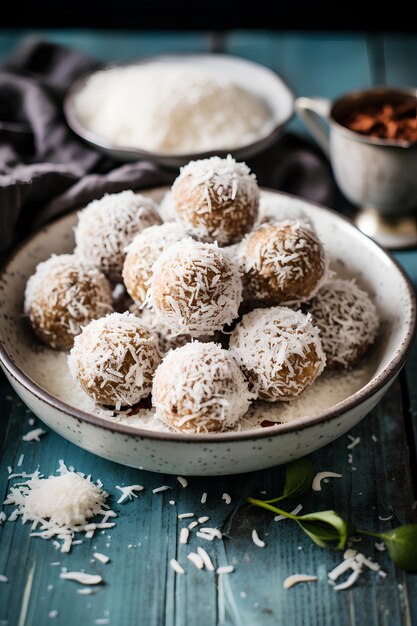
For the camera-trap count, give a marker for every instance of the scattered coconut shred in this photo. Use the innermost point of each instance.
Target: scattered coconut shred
(60, 506)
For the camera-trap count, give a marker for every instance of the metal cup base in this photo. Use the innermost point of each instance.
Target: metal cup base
(394, 233)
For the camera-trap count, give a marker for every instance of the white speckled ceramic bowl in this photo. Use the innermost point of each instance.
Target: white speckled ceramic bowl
(352, 253)
(249, 75)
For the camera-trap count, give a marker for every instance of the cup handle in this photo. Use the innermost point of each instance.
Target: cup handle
(314, 112)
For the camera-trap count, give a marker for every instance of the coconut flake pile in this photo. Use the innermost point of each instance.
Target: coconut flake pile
(171, 107)
(107, 226)
(63, 284)
(102, 352)
(216, 199)
(142, 253)
(195, 288)
(264, 343)
(200, 388)
(347, 319)
(60, 506)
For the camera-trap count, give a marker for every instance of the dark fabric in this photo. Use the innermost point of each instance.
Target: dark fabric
(46, 170)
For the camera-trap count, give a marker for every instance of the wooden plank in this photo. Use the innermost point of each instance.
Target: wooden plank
(323, 64)
(408, 260)
(400, 55)
(139, 581)
(401, 59)
(313, 64)
(109, 46)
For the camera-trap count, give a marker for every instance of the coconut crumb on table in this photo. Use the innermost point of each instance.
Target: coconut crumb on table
(316, 484)
(176, 566)
(295, 511)
(295, 579)
(82, 577)
(196, 560)
(185, 515)
(354, 441)
(206, 559)
(34, 435)
(256, 540)
(128, 492)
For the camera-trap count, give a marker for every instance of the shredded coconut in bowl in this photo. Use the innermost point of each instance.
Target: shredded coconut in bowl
(171, 108)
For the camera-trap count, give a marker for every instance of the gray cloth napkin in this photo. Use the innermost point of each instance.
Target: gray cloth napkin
(46, 170)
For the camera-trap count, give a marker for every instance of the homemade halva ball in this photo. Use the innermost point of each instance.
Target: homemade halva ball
(195, 288)
(63, 296)
(142, 253)
(279, 350)
(216, 199)
(347, 319)
(275, 208)
(114, 360)
(283, 263)
(200, 388)
(167, 338)
(107, 226)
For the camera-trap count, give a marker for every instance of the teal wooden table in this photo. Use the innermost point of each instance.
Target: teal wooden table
(140, 588)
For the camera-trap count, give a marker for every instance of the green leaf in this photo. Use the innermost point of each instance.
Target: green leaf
(298, 479)
(326, 528)
(401, 544)
(263, 504)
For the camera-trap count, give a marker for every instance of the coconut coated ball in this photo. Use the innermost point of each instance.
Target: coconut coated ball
(114, 360)
(275, 208)
(347, 319)
(63, 296)
(279, 350)
(283, 263)
(216, 199)
(167, 339)
(142, 253)
(107, 226)
(195, 288)
(200, 388)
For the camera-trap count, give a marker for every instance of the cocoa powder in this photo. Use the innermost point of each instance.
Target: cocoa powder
(389, 120)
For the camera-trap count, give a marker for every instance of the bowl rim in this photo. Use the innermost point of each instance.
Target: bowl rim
(101, 142)
(364, 393)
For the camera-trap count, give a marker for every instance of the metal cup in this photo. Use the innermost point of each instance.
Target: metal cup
(379, 176)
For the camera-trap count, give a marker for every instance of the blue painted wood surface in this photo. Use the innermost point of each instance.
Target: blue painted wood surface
(139, 586)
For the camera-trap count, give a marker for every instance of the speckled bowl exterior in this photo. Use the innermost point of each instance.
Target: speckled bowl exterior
(352, 253)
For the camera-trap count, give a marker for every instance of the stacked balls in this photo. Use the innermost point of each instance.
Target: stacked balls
(221, 304)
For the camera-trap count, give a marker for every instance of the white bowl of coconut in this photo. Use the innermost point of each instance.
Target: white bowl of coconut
(178, 107)
(209, 328)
